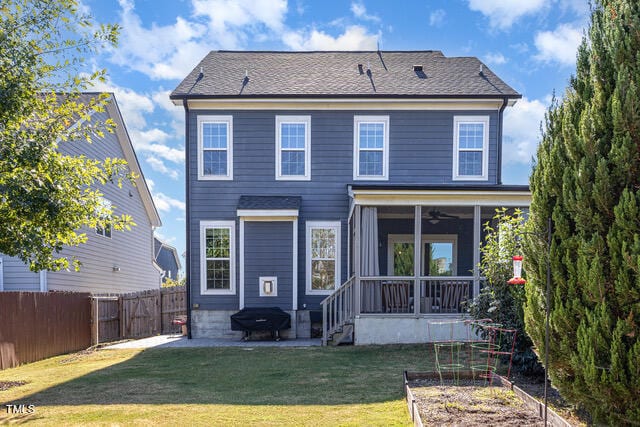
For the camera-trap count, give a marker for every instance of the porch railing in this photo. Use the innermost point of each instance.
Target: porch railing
(394, 295)
(445, 294)
(338, 309)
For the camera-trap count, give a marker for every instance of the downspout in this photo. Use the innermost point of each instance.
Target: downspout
(187, 267)
(505, 101)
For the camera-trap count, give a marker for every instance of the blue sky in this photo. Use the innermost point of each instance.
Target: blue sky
(530, 44)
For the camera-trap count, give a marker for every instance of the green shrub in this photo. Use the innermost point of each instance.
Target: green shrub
(499, 301)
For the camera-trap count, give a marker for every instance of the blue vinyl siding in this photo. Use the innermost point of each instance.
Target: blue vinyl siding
(269, 252)
(420, 152)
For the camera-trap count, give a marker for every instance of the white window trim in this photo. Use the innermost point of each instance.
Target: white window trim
(306, 120)
(1, 275)
(231, 225)
(357, 121)
(102, 232)
(457, 121)
(426, 238)
(310, 225)
(215, 119)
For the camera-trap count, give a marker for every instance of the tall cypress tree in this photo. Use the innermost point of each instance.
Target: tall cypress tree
(587, 180)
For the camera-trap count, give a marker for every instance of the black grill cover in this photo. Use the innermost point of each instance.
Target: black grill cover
(260, 319)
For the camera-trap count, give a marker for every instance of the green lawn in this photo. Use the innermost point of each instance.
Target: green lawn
(218, 386)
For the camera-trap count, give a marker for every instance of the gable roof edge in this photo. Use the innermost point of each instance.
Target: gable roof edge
(124, 139)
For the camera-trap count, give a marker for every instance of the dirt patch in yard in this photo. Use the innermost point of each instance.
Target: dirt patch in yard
(6, 385)
(466, 403)
(535, 387)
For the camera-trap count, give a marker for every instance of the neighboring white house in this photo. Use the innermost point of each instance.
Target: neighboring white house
(112, 261)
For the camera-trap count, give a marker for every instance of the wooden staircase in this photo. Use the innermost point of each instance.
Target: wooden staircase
(338, 314)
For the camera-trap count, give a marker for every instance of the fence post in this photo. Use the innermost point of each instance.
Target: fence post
(95, 310)
(121, 316)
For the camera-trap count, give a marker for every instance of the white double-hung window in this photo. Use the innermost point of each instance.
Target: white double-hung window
(371, 148)
(215, 147)
(217, 257)
(323, 256)
(293, 148)
(471, 148)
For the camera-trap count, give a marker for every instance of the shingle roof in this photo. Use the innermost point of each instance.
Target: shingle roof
(337, 74)
(269, 202)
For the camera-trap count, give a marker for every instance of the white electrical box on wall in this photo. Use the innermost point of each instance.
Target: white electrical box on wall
(268, 286)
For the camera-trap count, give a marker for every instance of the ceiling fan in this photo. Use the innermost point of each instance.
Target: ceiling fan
(435, 216)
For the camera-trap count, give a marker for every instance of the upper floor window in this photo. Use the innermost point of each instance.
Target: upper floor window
(217, 257)
(371, 147)
(293, 148)
(471, 148)
(215, 147)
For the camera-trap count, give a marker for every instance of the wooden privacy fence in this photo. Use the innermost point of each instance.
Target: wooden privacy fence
(137, 315)
(35, 325)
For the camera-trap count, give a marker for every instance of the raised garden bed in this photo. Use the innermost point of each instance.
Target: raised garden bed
(471, 401)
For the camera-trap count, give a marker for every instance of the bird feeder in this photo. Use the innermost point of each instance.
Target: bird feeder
(517, 272)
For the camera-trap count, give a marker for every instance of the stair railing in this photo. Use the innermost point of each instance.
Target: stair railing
(338, 309)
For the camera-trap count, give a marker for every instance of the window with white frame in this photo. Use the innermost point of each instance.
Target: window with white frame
(323, 256)
(371, 148)
(471, 148)
(217, 257)
(293, 148)
(104, 213)
(215, 147)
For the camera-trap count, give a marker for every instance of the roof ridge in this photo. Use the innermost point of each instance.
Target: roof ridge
(325, 51)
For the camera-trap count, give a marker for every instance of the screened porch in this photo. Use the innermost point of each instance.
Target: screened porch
(412, 258)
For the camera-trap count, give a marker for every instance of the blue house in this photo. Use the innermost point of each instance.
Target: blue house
(352, 184)
(166, 257)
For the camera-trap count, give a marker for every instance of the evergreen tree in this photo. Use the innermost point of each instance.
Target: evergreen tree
(588, 181)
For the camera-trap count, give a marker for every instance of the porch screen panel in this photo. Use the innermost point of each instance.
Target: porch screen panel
(218, 258)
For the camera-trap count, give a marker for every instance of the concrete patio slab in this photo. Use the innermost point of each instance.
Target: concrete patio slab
(179, 341)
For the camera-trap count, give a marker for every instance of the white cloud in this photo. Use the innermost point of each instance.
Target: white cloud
(230, 22)
(161, 52)
(355, 37)
(521, 133)
(161, 99)
(166, 203)
(503, 13)
(579, 7)
(133, 105)
(150, 141)
(360, 11)
(559, 45)
(159, 166)
(436, 18)
(495, 58)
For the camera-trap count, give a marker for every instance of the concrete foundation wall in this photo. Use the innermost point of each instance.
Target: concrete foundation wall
(406, 330)
(217, 324)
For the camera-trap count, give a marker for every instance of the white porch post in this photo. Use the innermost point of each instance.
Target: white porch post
(356, 259)
(477, 224)
(417, 257)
